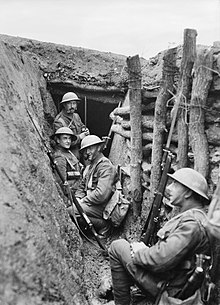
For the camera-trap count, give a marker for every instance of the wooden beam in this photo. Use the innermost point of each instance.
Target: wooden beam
(146, 123)
(183, 92)
(134, 72)
(202, 79)
(169, 69)
(146, 136)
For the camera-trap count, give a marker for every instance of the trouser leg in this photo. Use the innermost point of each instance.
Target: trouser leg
(119, 253)
(93, 212)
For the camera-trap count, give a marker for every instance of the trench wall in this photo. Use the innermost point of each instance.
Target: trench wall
(40, 249)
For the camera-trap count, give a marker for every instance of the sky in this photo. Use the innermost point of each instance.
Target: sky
(128, 27)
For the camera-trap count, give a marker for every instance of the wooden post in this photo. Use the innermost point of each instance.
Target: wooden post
(169, 69)
(202, 79)
(134, 72)
(184, 87)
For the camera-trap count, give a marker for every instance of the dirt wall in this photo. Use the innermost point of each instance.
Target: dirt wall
(40, 249)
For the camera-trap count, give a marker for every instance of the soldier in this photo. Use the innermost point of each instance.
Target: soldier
(97, 185)
(67, 163)
(172, 258)
(69, 118)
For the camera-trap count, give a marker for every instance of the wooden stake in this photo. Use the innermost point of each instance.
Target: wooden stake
(201, 84)
(164, 95)
(134, 72)
(184, 88)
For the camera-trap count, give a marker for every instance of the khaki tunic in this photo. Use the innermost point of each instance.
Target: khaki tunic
(69, 167)
(98, 184)
(172, 257)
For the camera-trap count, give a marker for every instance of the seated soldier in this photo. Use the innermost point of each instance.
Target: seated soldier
(69, 118)
(66, 161)
(98, 184)
(172, 258)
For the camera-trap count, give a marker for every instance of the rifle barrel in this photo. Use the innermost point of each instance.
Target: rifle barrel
(149, 230)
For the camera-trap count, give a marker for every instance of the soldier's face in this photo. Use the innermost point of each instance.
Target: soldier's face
(64, 141)
(176, 192)
(92, 152)
(70, 107)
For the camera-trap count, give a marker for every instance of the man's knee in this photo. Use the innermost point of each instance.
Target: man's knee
(118, 247)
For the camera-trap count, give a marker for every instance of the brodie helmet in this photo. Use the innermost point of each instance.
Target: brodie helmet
(90, 140)
(69, 96)
(191, 179)
(65, 130)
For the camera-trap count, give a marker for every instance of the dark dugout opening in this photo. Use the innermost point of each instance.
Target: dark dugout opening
(94, 108)
(97, 117)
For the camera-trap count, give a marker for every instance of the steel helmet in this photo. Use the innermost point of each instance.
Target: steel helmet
(191, 179)
(89, 141)
(65, 130)
(69, 96)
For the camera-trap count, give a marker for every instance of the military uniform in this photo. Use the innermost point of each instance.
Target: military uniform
(96, 189)
(171, 259)
(75, 124)
(69, 167)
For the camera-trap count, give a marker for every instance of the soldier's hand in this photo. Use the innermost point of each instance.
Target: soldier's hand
(82, 135)
(86, 131)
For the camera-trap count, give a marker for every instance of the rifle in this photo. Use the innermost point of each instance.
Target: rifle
(150, 228)
(71, 196)
(108, 137)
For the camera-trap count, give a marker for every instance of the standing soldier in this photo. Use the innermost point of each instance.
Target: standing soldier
(98, 184)
(69, 118)
(67, 163)
(172, 259)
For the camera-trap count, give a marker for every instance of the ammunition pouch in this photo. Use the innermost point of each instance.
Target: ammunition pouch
(73, 175)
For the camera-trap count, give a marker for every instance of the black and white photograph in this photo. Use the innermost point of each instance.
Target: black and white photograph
(110, 152)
